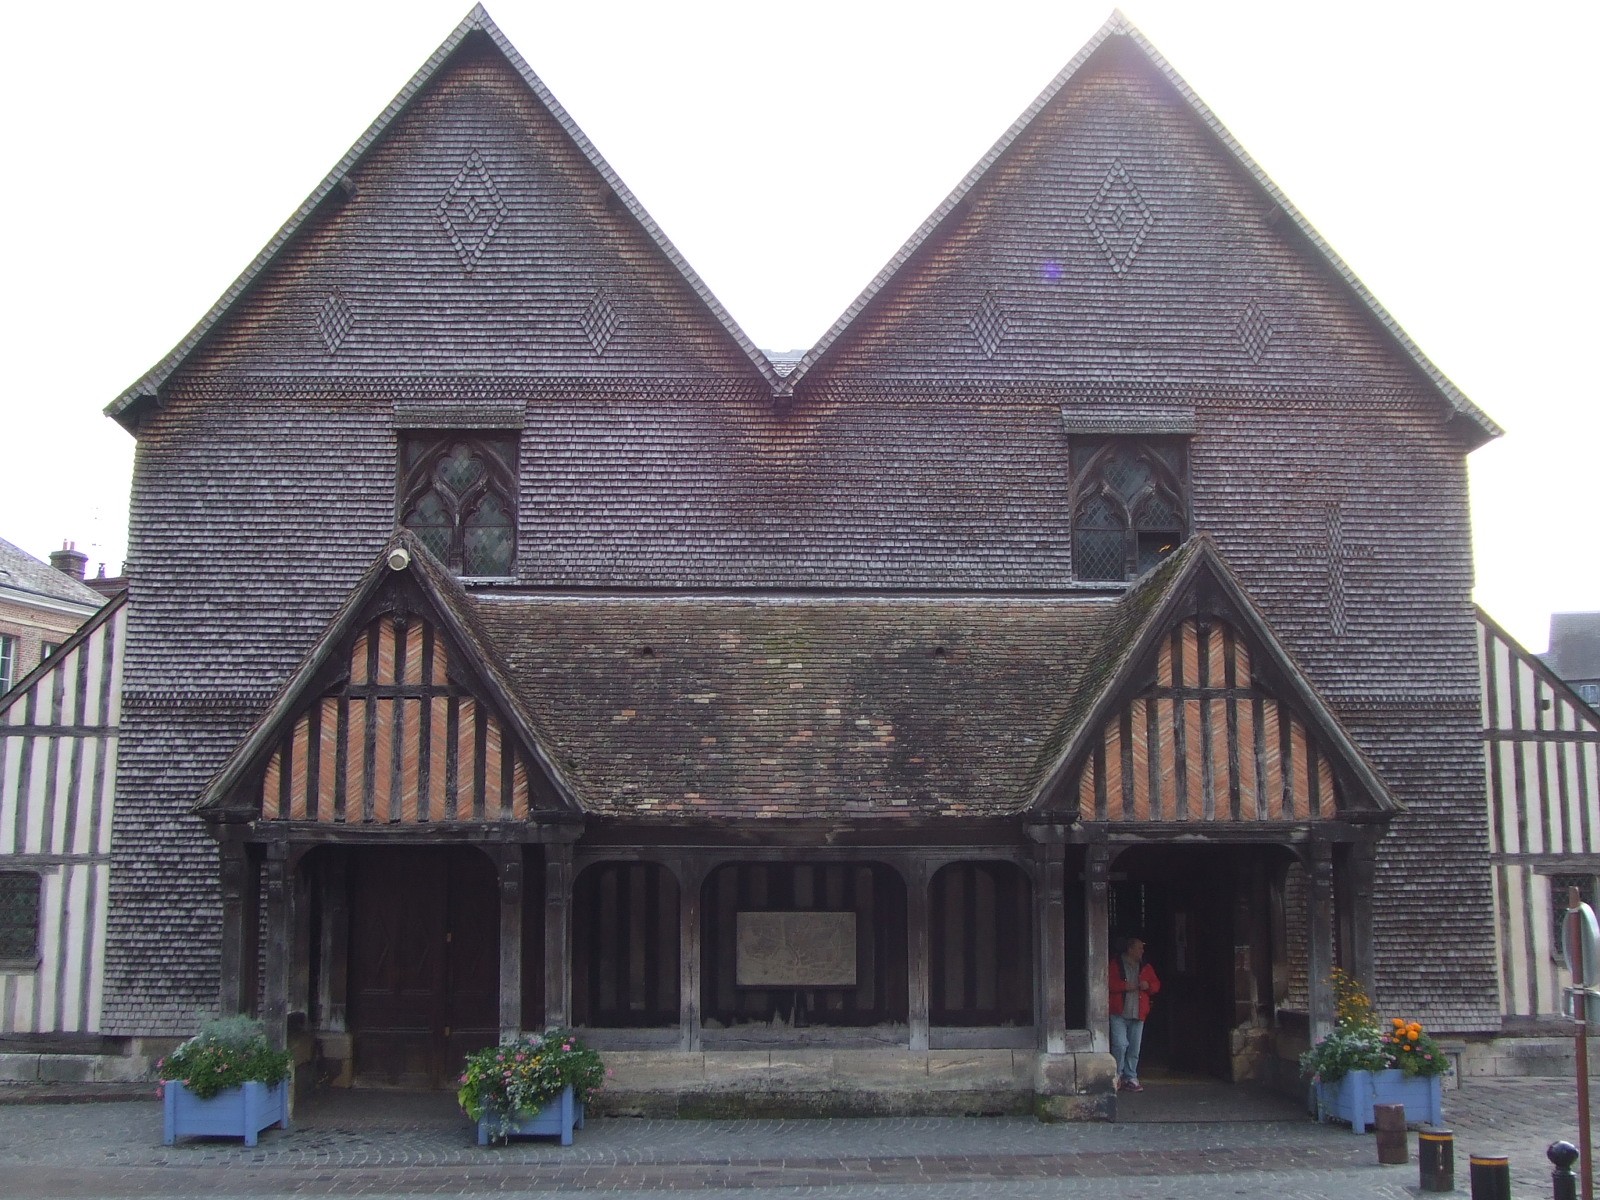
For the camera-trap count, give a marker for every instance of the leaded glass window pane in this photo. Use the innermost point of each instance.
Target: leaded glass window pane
(458, 494)
(19, 916)
(1130, 507)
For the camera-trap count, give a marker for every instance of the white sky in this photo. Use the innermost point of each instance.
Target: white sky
(1446, 150)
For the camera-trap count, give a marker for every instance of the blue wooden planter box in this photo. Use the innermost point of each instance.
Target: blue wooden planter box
(235, 1112)
(560, 1117)
(1351, 1098)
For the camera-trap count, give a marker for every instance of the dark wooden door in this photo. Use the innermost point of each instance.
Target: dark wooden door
(424, 962)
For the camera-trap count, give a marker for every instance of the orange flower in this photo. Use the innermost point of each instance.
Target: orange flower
(1398, 1023)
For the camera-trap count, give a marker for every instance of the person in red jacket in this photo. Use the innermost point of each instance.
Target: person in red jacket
(1133, 982)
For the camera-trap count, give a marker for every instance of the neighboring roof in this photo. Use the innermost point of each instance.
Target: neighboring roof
(844, 708)
(1574, 652)
(1539, 664)
(54, 661)
(22, 572)
(450, 605)
(1119, 26)
(477, 21)
(1149, 610)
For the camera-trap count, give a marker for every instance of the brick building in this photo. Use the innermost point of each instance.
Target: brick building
(41, 605)
(511, 641)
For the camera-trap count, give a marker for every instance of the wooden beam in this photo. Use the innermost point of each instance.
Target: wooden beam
(237, 878)
(917, 952)
(1362, 860)
(1050, 902)
(509, 861)
(1319, 943)
(333, 980)
(280, 919)
(1097, 938)
(690, 873)
(557, 933)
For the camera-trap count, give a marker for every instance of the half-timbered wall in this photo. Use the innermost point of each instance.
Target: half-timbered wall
(398, 742)
(1542, 756)
(1205, 743)
(58, 768)
(980, 945)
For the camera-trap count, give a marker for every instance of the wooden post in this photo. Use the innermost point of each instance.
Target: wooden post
(235, 875)
(509, 861)
(1097, 934)
(557, 933)
(691, 874)
(1052, 946)
(1319, 943)
(1363, 867)
(917, 951)
(300, 939)
(280, 918)
(333, 981)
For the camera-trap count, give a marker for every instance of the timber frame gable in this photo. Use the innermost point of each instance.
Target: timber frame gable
(1196, 718)
(405, 644)
(339, 186)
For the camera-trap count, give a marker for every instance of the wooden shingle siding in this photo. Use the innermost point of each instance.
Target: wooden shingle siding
(59, 734)
(399, 744)
(1205, 744)
(1542, 761)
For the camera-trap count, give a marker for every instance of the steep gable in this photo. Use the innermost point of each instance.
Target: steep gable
(1118, 239)
(473, 228)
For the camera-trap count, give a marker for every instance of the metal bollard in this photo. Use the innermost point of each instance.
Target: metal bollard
(1436, 1155)
(1563, 1181)
(1491, 1176)
(1390, 1122)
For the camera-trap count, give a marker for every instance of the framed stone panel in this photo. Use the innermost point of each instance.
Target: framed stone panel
(796, 949)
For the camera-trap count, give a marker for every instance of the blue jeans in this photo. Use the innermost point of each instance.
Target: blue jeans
(1126, 1034)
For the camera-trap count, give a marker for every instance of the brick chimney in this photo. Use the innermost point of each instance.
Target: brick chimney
(69, 560)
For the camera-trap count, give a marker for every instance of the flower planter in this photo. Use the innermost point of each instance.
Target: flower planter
(242, 1111)
(560, 1116)
(1352, 1097)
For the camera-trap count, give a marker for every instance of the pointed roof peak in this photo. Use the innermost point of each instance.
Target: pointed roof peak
(124, 408)
(1118, 24)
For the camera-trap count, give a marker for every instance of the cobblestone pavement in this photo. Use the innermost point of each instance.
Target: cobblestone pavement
(378, 1144)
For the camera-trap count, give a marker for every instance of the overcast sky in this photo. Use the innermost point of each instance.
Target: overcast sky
(1445, 150)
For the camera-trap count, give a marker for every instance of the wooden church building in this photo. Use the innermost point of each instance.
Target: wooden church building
(511, 642)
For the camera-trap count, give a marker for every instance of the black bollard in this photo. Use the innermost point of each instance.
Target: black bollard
(1390, 1121)
(1491, 1176)
(1563, 1181)
(1436, 1155)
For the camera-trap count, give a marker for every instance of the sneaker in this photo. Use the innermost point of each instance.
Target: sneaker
(1133, 1085)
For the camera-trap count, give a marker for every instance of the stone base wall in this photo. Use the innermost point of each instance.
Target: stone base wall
(817, 1082)
(1525, 1057)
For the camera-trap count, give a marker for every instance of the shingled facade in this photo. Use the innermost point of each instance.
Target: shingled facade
(1105, 567)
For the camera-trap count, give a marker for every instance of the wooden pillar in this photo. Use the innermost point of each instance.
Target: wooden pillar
(1097, 938)
(1319, 966)
(300, 941)
(917, 951)
(557, 933)
(508, 861)
(1050, 903)
(1362, 867)
(691, 875)
(239, 888)
(333, 981)
(280, 921)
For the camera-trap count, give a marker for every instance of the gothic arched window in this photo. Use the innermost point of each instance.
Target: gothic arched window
(1130, 504)
(458, 493)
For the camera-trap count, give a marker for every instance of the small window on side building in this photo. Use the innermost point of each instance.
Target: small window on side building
(19, 919)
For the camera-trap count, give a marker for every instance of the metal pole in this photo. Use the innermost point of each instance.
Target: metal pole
(1580, 1014)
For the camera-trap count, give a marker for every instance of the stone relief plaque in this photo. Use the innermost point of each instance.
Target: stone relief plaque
(795, 949)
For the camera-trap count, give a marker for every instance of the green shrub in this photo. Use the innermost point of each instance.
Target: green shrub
(225, 1053)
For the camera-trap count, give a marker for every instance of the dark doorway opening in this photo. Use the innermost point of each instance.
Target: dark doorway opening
(424, 962)
(1204, 914)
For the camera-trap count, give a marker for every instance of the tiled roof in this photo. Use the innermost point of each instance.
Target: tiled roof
(25, 573)
(1574, 645)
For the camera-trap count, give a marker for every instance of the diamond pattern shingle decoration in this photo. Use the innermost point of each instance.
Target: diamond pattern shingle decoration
(989, 325)
(334, 320)
(599, 322)
(471, 211)
(1255, 334)
(1119, 218)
